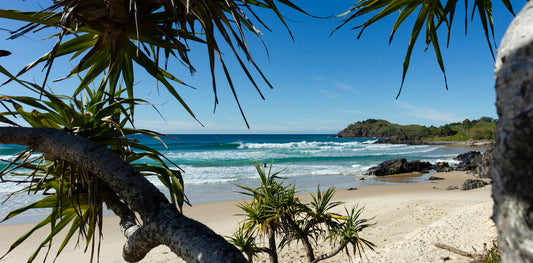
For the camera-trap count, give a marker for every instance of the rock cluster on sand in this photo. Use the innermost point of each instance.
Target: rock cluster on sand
(470, 184)
(468, 161)
(483, 170)
(398, 166)
(443, 167)
(475, 161)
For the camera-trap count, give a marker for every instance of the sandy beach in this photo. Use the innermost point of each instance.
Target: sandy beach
(409, 220)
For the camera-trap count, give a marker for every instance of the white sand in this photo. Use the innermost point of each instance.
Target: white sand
(409, 219)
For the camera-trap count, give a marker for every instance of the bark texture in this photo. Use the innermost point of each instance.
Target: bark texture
(513, 164)
(162, 223)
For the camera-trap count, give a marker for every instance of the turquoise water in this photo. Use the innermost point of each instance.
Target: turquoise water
(215, 164)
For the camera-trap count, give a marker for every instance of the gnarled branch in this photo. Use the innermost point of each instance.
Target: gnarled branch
(162, 222)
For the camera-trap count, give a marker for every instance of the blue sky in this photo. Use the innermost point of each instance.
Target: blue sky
(321, 83)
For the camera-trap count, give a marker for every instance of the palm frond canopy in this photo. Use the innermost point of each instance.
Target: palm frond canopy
(429, 13)
(112, 36)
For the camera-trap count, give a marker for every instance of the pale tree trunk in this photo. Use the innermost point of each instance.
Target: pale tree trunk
(273, 250)
(513, 164)
(162, 223)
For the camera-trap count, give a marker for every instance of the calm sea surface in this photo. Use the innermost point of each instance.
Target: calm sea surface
(215, 164)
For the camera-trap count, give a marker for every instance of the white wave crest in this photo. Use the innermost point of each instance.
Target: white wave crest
(301, 144)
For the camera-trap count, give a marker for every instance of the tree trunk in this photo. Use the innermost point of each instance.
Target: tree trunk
(273, 250)
(330, 254)
(513, 164)
(162, 222)
(309, 253)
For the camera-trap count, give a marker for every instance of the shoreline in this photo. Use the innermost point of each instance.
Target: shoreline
(475, 144)
(403, 214)
(470, 143)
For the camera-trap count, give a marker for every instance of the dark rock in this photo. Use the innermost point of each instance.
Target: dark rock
(483, 170)
(418, 166)
(398, 166)
(389, 167)
(433, 178)
(470, 184)
(469, 161)
(443, 167)
(352, 188)
(452, 187)
(479, 164)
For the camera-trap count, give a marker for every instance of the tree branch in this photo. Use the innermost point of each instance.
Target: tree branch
(138, 242)
(189, 239)
(332, 253)
(309, 252)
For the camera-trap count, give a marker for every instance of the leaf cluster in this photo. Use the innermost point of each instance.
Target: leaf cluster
(429, 14)
(111, 38)
(275, 211)
(73, 194)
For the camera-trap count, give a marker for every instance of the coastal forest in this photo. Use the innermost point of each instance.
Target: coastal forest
(480, 129)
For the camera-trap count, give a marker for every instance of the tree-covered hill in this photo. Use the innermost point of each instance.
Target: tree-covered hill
(481, 129)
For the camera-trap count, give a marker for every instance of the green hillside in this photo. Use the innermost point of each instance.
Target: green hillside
(481, 129)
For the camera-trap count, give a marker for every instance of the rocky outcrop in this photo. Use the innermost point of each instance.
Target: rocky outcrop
(398, 166)
(478, 163)
(470, 184)
(484, 170)
(473, 161)
(347, 133)
(443, 167)
(468, 161)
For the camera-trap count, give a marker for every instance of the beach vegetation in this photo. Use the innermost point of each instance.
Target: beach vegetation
(73, 194)
(81, 150)
(480, 129)
(106, 38)
(275, 213)
(493, 256)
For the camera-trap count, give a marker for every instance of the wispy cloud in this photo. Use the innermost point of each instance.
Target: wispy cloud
(346, 87)
(338, 88)
(428, 113)
(329, 93)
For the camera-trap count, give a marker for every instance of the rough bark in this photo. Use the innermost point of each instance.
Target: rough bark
(513, 163)
(273, 251)
(330, 254)
(309, 253)
(137, 244)
(162, 223)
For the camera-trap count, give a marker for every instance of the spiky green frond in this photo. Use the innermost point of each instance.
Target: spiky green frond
(430, 14)
(107, 39)
(75, 194)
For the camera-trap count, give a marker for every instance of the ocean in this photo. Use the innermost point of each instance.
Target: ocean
(215, 164)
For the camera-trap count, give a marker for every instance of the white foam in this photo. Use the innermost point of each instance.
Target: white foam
(301, 144)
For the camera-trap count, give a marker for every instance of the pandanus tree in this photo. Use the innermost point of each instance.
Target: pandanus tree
(110, 37)
(81, 153)
(275, 213)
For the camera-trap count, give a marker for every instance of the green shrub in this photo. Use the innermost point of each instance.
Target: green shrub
(275, 211)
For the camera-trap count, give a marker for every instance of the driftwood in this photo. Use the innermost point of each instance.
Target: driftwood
(457, 251)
